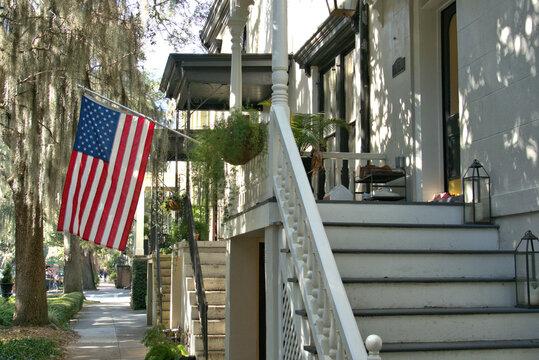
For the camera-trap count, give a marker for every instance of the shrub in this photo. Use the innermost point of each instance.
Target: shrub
(62, 308)
(29, 348)
(7, 278)
(138, 287)
(162, 345)
(6, 311)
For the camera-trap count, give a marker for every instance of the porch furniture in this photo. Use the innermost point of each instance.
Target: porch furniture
(379, 181)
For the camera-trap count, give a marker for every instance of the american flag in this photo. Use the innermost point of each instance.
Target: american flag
(105, 174)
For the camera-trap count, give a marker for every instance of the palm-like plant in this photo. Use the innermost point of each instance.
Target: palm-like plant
(310, 132)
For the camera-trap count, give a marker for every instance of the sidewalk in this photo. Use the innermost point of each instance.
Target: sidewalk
(109, 329)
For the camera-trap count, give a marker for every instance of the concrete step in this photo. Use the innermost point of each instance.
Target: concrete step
(215, 343)
(375, 212)
(166, 288)
(215, 327)
(381, 263)
(209, 258)
(212, 297)
(465, 350)
(215, 312)
(165, 273)
(165, 264)
(166, 316)
(214, 271)
(431, 326)
(210, 284)
(418, 293)
(409, 236)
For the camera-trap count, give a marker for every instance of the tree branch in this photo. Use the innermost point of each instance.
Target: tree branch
(38, 73)
(49, 130)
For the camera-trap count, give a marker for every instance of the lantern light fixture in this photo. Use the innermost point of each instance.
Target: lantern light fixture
(476, 191)
(526, 271)
(342, 7)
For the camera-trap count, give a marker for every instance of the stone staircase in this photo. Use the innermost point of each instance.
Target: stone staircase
(213, 263)
(164, 306)
(429, 285)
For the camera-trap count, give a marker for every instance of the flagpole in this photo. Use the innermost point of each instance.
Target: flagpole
(137, 113)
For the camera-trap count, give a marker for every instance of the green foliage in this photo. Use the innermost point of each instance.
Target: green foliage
(139, 283)
(161, 352)
(230, 140)
(7, 277)
(63, 307)
(7, 308)
(241, 134)
(154, 336)
(115, 258)
(309, 130)
(113, 275)
(29, 349)
(161, 344)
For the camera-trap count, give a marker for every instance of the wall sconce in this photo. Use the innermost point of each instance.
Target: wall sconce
(476, 190)
(526, 256)
(342, 7)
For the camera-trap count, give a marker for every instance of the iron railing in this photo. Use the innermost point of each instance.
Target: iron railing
(197, 272)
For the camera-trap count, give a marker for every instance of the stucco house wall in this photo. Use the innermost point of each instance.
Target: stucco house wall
(499, 100)
(498, 90)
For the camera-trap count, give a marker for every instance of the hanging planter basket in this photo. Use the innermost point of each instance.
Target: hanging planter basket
(173, 205)
(242, 138)
(241, 155)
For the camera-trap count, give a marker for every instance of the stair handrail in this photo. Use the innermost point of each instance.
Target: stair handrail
(197, 272)
(331, 319)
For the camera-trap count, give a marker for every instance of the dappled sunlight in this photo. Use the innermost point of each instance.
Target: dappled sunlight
(499, 117)
(531, 151)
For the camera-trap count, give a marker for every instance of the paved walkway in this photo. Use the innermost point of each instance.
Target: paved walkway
(109, 329)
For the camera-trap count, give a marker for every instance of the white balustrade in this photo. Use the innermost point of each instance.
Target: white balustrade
(319, 281)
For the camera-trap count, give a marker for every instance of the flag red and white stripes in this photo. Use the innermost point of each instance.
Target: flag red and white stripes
(105, 174)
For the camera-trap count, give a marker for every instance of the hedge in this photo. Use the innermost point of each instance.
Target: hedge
(64, 307)
(138, 287)
(61, 308)
(35, 349)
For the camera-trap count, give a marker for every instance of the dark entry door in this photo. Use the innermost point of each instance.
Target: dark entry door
(450, 93)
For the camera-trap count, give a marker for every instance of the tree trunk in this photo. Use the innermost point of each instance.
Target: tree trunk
(31, 299)
(72, 264)
(88, 280)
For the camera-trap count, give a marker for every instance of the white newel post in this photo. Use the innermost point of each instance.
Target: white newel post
(373, 343)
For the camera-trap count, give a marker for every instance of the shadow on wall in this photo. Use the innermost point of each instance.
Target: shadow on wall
(392, 129)
(499, 91)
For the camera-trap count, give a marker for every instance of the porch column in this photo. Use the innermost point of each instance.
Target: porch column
(279, 62)
(239, 10)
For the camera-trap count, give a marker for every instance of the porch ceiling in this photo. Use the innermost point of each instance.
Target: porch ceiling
(205, 78)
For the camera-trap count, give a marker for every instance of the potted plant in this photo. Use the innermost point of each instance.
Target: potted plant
(173, 201)
(7, 281)
(241, 137)
(310, 132)
(236, 140)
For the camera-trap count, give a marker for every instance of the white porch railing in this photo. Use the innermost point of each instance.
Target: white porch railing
(330, 317)
(247, 185)
(334, 164)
